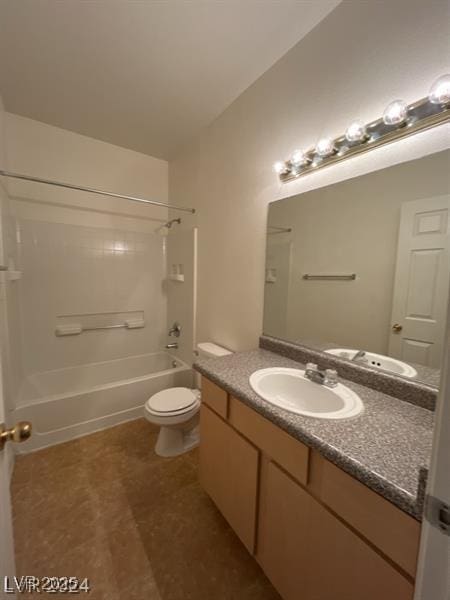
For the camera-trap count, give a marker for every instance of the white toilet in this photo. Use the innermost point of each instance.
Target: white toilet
(176, 410)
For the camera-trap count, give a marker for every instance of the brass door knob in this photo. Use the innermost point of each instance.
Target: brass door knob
(396, 328)
(19, 433)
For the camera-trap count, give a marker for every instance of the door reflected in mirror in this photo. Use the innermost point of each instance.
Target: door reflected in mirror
(360, 268)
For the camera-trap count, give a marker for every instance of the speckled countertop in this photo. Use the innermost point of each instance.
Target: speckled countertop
(386, 447)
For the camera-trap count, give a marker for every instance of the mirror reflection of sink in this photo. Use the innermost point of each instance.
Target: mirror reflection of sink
(371, 359)
(291, 390)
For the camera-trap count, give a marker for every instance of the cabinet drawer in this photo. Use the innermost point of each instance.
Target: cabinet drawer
(215, 397)
(229, 474)
(391, 530)
(288, 452)
(308, 553)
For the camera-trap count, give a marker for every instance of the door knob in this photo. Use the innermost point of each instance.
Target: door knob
(396, 328)
(19, 433)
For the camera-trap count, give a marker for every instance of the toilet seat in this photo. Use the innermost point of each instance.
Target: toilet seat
(173, 401)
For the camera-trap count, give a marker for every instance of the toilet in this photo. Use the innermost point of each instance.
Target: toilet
(176, 411)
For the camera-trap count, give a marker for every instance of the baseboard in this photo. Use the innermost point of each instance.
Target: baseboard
(10, 456)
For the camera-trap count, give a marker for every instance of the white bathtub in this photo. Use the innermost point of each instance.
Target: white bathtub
(67, 403)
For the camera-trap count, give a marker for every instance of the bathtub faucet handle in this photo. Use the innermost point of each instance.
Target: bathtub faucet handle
(175, 329)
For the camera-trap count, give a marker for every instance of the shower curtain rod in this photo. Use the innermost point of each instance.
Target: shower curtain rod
(71, 186)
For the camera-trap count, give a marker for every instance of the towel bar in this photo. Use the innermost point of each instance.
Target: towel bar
(350, 277)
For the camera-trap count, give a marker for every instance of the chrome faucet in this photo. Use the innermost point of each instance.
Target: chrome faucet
(359, 356)
(173, 345)
(175, 329)
(328, 377)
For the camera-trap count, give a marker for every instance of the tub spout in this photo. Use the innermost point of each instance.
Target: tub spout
(173, 345)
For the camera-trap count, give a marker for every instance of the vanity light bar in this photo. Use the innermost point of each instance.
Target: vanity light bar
(399, 120)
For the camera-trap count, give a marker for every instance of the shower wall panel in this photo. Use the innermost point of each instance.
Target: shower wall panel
(75, 270)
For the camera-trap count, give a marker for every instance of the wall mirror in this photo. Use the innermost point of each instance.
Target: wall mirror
(360, 269)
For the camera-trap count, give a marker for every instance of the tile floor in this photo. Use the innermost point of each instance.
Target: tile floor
(138, 526)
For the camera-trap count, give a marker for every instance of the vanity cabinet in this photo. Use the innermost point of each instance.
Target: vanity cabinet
(229, 474)
(318, 533)
(308, 553)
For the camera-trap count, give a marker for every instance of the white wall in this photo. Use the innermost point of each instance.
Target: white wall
(10, 319)
(363, 55)
(82, 253)
(181, 250)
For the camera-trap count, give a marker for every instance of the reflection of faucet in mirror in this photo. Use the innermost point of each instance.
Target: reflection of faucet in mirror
(360, 356)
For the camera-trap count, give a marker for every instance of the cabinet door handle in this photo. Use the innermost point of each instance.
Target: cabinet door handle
(396, 327)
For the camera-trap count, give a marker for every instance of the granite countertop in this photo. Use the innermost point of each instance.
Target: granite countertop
(387, 447)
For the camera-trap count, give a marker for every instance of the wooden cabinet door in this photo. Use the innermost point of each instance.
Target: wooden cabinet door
(215, 397)
(310, 554)
(229, 474)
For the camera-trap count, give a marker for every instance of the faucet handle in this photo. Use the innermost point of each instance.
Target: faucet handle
(311, 367)
(331, 377)
(175, 329)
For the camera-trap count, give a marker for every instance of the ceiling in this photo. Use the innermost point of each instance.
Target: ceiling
(142, 74)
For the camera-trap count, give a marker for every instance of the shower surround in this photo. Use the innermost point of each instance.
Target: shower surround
(78, 270)
(86, 259)
(80, 383)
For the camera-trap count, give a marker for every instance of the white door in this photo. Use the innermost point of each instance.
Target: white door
(433, 574)
(7, 567)
(421, 282)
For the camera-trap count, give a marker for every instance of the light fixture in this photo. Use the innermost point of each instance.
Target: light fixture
(280, 167)
(325, 147)
(395, 113)
(299, 159)
(360, 137)
(356, 132)
(440, 90)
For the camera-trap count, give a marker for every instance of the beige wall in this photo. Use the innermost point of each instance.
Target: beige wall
(363, 55)
(10, 317)
(349, 227)
(41, 150)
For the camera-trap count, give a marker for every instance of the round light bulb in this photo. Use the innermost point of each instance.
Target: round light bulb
(395, 113)
(325, 147)
(356, 132)
(280, 167)
(299, 158)
(440, 90)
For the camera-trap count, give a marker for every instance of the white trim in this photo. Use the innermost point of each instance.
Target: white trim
(433, 570)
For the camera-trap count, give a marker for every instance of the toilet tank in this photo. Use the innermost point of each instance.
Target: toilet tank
(210, 350)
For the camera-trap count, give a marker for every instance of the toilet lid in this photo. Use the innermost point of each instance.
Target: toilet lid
(172, 399)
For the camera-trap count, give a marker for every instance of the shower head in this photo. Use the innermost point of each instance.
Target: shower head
(164, 229)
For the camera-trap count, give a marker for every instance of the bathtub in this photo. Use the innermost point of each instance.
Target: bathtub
(71, 402)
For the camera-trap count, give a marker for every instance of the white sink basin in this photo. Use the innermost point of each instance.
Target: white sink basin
(376, 360)
(291, 390)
